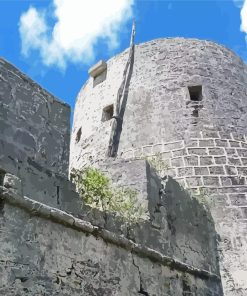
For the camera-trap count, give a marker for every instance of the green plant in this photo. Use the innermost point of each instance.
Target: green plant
(158, 163)
(200, 194)
(97, 191)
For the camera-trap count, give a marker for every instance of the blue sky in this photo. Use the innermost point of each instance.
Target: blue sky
(26, 33)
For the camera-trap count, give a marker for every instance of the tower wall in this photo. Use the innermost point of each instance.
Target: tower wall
(204, 142)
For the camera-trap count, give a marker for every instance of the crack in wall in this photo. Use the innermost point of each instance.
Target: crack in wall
(141, 289)
(58, 195)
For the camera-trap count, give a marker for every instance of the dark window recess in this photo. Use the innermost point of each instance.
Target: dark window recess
(195, 93)
(195, 103)
(107, 113)
(100, 78)
(78, 135)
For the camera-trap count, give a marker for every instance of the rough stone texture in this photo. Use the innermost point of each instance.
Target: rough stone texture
(33, 123)
(52, 244)
(204, 143)
(158, 109)
(45, 251)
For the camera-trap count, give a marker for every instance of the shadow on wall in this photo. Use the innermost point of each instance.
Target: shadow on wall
(179, 237)
(179, 227)
(118, 124)
(188, 227)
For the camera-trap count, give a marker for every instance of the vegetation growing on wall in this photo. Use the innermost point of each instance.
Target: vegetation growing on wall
(96, 190)
(158, 163)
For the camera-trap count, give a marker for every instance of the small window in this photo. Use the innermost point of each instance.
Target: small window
(107, 113)
(195, 93)
(195, 104)
(78, 135)
(98, 72)
(100, 78)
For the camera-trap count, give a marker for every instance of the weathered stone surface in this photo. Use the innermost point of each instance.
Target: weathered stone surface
(205, 147)
(52, 244)
(33, 123)
(59, 254)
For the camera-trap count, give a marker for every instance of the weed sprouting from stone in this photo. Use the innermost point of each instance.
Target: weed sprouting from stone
(96, 190)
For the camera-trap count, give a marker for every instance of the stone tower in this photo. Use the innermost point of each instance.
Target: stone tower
(185, 99)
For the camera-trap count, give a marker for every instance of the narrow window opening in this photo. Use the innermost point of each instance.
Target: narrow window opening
(100, 78)
(78, 135)
(107, 113)
(98, 72)
(58, 195)
(195, 93)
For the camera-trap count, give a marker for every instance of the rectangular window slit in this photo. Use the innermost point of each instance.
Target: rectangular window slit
(107, 113)
(195, 93)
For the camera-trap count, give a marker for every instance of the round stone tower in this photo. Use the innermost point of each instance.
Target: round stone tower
(186, 100)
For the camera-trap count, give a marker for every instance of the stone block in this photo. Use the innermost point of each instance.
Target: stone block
(237, 180)
(187, 171)
(206, 143)
(216, 151)
(197, 151)
(206, 160)
(231, 170)
(179, 152)
(216, 170)
(244, 161)
(221, 143)
(194, 181)
(242, 171)
(242, 152)
(234, 161)
(225, 181)
(220, 159)
(177, 162)
(231, 152)
(234, 144)
(211, 181)
(192, 160)
(238, 199)
(201, 171)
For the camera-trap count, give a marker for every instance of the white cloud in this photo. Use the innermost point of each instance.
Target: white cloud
(244, 17)
(79, 25)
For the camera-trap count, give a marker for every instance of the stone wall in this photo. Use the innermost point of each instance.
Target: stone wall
(213, 165)
(52, 244)
(46, 251)
(33, 123)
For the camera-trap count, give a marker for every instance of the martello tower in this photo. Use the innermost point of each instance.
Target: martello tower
(187, 100)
